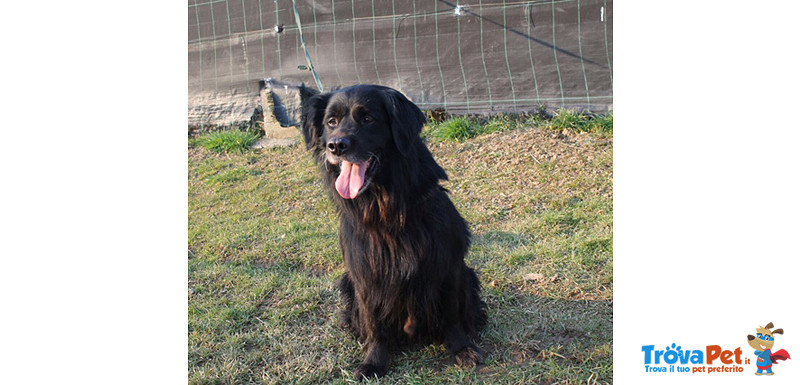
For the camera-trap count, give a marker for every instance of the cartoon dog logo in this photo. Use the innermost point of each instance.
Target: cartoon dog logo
(762, 343)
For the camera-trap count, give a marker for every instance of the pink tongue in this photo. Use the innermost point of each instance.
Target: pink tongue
(351, 178)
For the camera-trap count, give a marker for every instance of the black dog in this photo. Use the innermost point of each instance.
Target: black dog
(402, 239)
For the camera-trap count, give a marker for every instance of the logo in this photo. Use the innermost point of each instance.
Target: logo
(713, 359)
(763, 342)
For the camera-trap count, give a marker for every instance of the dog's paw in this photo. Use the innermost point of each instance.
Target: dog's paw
(369, 371)
(469, 357)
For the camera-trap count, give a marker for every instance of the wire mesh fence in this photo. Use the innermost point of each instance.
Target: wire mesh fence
(476, 57)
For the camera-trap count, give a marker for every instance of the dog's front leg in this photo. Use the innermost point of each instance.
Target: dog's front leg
(376, 343)
(465, 352)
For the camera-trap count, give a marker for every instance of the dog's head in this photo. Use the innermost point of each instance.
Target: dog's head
(357, 130)
(764, 338)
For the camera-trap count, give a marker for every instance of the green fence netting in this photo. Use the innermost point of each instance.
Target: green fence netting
(472, 57)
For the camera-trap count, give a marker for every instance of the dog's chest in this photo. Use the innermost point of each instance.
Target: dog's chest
(382, 260)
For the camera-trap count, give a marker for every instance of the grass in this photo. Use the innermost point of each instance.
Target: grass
(264, 256)
(574, 122)
(460, 128)
(227, 141)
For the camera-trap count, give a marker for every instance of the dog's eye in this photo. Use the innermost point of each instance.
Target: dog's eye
(332, 122)
(366, 119)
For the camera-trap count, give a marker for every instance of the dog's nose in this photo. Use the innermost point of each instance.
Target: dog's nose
(750, 338)
(339, 145)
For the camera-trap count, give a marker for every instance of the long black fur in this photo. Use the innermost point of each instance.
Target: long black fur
(402, 239)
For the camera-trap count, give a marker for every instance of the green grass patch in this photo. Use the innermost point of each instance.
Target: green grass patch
(226, 141)
(573, 122)
(264, 257)
(602, 124)
(458, 128)
(462, 128)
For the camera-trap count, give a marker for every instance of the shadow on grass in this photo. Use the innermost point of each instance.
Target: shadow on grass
(559, 338)
(538, 326)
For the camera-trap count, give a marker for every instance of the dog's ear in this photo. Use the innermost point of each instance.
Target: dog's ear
(406, 120)
(777, 331)
(312, 114)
